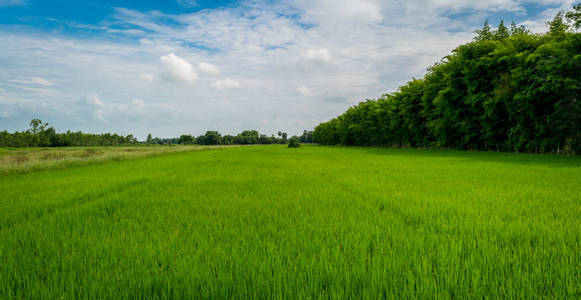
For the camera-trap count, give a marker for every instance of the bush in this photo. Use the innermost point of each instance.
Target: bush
(293, 144)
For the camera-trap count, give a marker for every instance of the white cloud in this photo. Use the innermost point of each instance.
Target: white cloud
(41, 81)
(96, 105)
(517, 6)
(459, 5)
(145, 41)
(208, 68)
(227, 84)
(362, 11)
(94, 100)
(32, 80)
(305, 91)
(318, 55)
(176, 69)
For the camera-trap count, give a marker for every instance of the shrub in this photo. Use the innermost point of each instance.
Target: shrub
(293, 143)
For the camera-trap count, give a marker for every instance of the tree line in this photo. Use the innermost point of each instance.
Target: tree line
(41, 135)
(507, 90)
(246, 137)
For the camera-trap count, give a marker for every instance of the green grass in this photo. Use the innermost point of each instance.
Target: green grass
(313, 222)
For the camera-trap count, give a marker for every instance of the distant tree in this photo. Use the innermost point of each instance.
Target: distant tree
(212, 138)
(501, 32)
(558, 25)
(516, 30)
(227, 140)
(131, 139)
(186, 139)
(247, 137)
(149, 139)
(294, 143)
(485, 33)
(37, 126)
(307, 137)
(284, 136)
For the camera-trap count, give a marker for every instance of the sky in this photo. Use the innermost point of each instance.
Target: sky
(172, 67)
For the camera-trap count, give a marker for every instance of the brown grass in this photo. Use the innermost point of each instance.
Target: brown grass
(37, 159)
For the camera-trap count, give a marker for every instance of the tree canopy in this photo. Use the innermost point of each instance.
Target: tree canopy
(41, 135)
(507, 90)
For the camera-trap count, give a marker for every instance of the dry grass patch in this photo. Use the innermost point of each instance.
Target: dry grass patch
(37, 159)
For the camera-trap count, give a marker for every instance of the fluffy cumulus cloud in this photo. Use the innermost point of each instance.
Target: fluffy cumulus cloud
(97, 105)
(344, 10)
(208, 68)
(176, 69)
(288, 65)
(318, 55)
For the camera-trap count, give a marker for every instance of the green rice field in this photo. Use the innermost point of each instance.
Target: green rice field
(314, 222)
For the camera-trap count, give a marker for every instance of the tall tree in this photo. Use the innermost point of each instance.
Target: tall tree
(574, 16)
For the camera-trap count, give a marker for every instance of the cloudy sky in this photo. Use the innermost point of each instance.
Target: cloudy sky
(186, 66)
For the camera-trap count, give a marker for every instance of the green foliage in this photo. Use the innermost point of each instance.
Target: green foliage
(187, 139)
(307, 137)
(293, 143)
(558, 26)
(40, 135)
(508, 90)
(485, 33)
(210, 138)
(501, 32)
(324, 222)
(574, 16)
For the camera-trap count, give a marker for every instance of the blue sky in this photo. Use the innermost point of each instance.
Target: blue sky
(92, 12)
(180, 66)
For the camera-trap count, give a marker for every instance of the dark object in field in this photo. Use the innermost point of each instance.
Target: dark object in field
(293, 144)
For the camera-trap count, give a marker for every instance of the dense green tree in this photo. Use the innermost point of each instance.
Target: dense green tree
(40, 135)
(210, 138)
(485, 33)
(558, 25)
(501, 32)
(186, 139)
(307, 137)
(508, 90)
